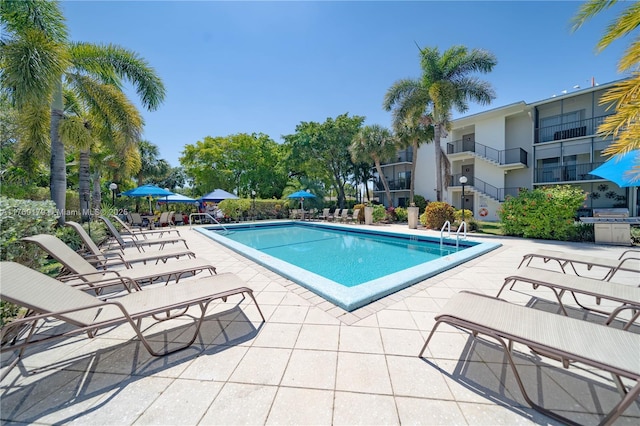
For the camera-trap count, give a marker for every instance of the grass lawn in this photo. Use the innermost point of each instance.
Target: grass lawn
(489, 228)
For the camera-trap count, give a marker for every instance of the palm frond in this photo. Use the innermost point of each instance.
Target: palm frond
(32, 66)
(110, 61)
(19, 16)
(74, 132)
(588, 10)
(33, 128)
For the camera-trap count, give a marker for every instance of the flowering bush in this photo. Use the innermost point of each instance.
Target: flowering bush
(546, 213)
(401, 214)
(436, 214)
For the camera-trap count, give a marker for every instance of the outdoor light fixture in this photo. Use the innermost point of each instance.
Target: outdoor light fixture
(113, 187)
(463, 181)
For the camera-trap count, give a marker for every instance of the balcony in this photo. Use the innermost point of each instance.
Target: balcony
(504, 157)
(574, 129)
(569, 173)
(394, 185)
(404, 156)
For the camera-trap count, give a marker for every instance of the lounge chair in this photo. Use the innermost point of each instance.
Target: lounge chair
(164, 220)
(142, 232)
(135, 219)
(139, 244)
(101, 259)
(335, 216)
(325, 214)
(605, 348)
(628, 296)
(354, 217)
(344, 216)
(87, 276)
(623, 263)
(50, 299)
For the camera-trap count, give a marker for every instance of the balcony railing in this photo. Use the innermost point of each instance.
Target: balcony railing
(479, 185)
(507, 156)
(570, 173)
(404, 156)
(394, 185)
(573, 129)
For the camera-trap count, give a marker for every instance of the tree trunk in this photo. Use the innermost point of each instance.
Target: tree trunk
(58, 172)
(412, 184)
(84, 184)
(436, 142)
(384, 182)
(96, 196)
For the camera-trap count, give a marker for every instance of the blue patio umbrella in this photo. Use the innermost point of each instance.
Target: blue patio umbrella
(218, 195)
(621, 169)
(301, 195)
(147, 190)
(177, 198)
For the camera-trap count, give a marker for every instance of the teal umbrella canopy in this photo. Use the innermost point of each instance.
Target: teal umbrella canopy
(301, 194)
(147, 191)
(623, 170)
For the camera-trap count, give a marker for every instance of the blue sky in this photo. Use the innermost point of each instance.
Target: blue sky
(264, 67)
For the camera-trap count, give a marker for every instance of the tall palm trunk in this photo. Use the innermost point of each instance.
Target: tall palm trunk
(436, 143)
(414, 158)
(96, 196)
(58, 177)
(84, 184)
(384, 182)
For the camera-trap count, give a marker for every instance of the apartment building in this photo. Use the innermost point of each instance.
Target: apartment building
(521, 145)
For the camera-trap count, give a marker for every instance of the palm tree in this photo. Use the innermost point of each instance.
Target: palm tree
(375, 143)
(445, 84)
(112, 123)
(35, 31)
(409, 100)
(624, 123)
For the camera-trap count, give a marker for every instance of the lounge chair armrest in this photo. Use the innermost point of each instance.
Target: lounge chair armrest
(628, 251)
(90, 274)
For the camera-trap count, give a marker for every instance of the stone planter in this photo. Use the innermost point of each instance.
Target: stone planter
(413, 217)
(368, 215)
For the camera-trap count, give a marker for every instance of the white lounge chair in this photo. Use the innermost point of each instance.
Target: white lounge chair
(625, 261)
(87, 276)
(51, 299)
(569, 339)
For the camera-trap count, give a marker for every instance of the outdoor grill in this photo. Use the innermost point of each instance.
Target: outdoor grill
(612, 226)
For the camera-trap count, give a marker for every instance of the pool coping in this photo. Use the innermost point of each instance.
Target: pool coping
(352, 298)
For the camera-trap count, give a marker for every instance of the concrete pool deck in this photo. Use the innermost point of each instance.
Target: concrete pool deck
(314, 363)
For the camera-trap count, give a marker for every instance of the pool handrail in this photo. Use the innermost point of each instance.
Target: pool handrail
(447, 225)
(205, 215)
(462, 225)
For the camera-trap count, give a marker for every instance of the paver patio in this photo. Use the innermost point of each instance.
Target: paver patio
(312, 362)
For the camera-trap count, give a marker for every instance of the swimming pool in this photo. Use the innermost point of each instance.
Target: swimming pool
(348, 266)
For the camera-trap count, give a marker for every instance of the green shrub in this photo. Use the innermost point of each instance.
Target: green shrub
(436, 214)
(379, 213)
(420, 202)
(18, 219)
(546, 213)
(468, 215)
(583, 232)
(401, 214)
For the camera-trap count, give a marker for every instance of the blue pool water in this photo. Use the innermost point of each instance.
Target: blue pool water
(348, 266)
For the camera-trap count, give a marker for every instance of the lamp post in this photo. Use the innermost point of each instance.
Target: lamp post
(253, 202)
(463, 180)
(113, 187)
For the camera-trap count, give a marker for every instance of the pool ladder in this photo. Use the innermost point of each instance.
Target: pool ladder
(191, 216)
(447, 225)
